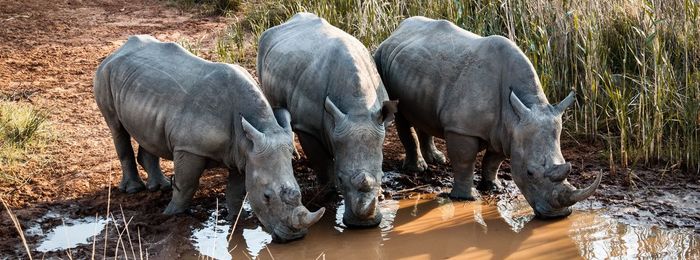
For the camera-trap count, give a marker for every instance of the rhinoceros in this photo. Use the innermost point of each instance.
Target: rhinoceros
(200, 114)
(478, 93)
(339, 107)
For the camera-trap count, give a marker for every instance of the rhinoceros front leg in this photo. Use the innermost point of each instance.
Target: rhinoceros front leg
(427, 147)
(321, 160)
(490, 163)
(414, 159)
(235, 193)
(150, 162)
(462, 151)
(188, 169)
(131, 182)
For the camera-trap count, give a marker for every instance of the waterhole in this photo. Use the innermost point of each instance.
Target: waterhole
(429, 227)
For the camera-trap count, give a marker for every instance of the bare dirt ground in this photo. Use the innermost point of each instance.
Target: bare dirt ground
(48, 53)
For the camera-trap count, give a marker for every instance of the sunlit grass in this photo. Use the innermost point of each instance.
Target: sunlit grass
(634, 64)
(24, 131)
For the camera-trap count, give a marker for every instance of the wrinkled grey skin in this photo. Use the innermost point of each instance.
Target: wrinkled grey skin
(200, 115)
(329, 83)
(477, 93)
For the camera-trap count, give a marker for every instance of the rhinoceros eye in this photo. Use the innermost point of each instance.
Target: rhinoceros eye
(267, 197)
(529, 173)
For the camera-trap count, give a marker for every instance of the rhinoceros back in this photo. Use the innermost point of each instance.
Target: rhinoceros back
(168, 99)
(449, 79)
(304, 60)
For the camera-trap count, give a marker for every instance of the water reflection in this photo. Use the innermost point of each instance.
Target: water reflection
(599, 237)
(70, 234)
(426, 227)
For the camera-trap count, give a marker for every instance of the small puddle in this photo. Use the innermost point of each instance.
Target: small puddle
(429, 227)
(70, 234)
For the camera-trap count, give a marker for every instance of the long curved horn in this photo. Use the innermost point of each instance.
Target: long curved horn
(303, 218)
(520, 109)
(581, 194)
(566, 102)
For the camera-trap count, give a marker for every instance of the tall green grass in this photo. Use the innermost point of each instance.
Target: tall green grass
(23, 130)
(633, 63)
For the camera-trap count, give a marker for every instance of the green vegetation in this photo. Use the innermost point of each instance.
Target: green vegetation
(635, 65)
(23, 131)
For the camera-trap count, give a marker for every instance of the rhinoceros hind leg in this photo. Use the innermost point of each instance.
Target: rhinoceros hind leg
(462, 151)
(131, 181)
(490, 164)
(430, 153)
(235, 192)
(413, 161)
(321, 160)
(188, 169)
(150, 162)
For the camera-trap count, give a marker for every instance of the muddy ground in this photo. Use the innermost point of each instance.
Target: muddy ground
(48, 53)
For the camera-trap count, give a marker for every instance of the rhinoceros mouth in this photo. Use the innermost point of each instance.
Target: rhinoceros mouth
(544, 214)
(283, 234)
(355, 223)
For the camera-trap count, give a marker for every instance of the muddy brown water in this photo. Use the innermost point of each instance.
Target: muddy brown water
(429, 227)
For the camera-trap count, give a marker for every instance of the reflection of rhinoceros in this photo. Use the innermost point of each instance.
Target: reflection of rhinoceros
(477, 93)
(200, 114)
(339, 107)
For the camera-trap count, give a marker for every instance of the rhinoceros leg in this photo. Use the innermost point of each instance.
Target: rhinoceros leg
(490, 163)
(427, 147)
(150, 162)
(462, 151)
(235, 192)
(321, 160)
(188, 169)
(131, 181)
(414, 159)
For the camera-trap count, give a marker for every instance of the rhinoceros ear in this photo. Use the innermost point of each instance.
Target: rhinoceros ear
(389, 108)
(338, 116)
(283, 118)
(520, 109)
(251, 133)
(566, 102)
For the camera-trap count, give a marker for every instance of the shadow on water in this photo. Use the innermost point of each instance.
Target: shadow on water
(428, 227)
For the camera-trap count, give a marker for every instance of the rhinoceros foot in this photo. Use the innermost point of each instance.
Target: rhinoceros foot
(155, 184)
(415, 165)
(435, 157)
(131, 186)
(174, 209)
(489, 186)
(458, 194)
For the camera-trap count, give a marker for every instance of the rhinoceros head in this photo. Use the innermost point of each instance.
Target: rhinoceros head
(357, 141)
(537, 165)
(272, 190)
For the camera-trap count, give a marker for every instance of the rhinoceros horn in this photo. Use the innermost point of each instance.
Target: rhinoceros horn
(368, 209)
(559, 172)
(577, 195)
(303, 218)
(566, 102)
(363, 182)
